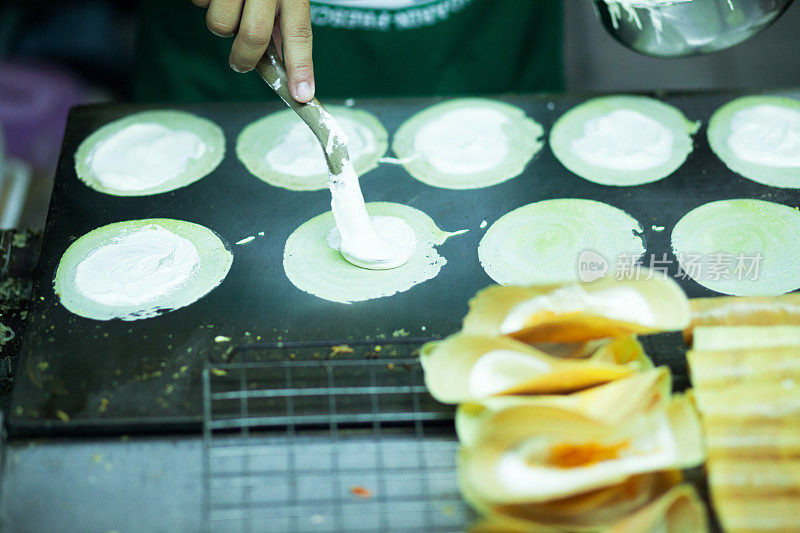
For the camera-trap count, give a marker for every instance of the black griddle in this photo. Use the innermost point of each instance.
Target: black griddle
(81, 375)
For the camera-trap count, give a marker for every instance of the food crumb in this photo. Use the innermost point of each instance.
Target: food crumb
(399, 333)
(361, 492)
(44, 365)
(390, 366)
(342, 348)
(483, 224)
(103, 405)
(96, 458)
(222, 338)
(246, 240)
(64, 417)
(218, 372)
(658, 228)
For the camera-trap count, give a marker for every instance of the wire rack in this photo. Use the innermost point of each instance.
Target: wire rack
(327, 437)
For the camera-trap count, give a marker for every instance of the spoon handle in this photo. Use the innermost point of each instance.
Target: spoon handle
(325, 128)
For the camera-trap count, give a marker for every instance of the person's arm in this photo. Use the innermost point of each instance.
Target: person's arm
(254, 22)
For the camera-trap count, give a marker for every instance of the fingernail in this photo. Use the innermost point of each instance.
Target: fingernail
(304, 91)
(236, 68)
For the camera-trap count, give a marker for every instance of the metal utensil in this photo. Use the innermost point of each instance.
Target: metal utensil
(677, 28)
(330, 136)
(273, 70)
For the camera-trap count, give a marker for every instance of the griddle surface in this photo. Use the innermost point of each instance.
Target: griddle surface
(80, 375)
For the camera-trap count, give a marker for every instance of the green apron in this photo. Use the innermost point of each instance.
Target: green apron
(410, 47)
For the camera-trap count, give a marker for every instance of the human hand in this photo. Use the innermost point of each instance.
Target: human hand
(254, 23)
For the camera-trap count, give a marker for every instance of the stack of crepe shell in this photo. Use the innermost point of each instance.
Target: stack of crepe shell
(564, 423)
(745, 367)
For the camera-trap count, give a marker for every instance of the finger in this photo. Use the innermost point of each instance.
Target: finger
(223, 17)
(201, 3)
(295, 23)
(276, 36)
(254, 34)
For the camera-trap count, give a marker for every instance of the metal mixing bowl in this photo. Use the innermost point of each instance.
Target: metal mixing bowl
(680, 28)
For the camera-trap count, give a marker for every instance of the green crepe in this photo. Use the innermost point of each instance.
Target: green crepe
(196, 169)
(719, 130)
(316, 268)
(215, 261)
(570, 127)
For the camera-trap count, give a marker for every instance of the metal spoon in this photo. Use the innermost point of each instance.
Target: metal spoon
(273, 70)
(334, 146)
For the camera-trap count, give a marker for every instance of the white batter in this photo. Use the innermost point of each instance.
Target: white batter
(137, 267)
(388, 243)
(624, 139)
(144, 155)
(464, 141)
(363, 244)
(467, 143)
(300, 154)
(766, 135)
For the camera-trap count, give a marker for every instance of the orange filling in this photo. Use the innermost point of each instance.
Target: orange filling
(574, 455)
(574, 326)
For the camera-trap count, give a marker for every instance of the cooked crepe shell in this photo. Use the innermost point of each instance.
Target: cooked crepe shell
(468, 367)
(720, 368)
(744, 337)
(743, 311)
(592, 511)
(753, 400)
(624, 351)
(678, 511)
(579, 312)
(612, 403)
(760, 494)
(753, 437)
(776, 513)
(499, 524)
(572, 350)
(754, 476)
(534, 454)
